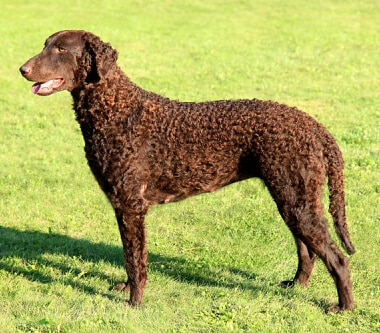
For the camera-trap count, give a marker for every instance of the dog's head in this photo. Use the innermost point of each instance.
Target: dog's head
(70, 59)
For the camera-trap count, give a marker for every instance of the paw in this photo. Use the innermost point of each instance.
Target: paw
(334, 309)
(338, 309)
(123, 287)
(287, 284)
(132, 303)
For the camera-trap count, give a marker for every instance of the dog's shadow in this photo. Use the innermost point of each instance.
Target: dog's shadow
(36, 247)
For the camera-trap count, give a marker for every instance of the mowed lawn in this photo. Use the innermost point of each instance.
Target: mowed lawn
(216, 260)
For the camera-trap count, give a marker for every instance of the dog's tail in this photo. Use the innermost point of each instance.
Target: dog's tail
(337, 199)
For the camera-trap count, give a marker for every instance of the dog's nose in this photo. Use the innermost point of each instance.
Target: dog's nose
(25, 70)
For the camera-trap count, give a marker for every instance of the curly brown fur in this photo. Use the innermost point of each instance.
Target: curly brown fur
(145, 149)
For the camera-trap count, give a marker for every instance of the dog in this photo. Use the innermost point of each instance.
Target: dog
(145, 149)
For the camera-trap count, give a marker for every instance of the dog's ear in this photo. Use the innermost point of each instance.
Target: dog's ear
(102, 57)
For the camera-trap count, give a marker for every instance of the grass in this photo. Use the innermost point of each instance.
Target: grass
(215, 260)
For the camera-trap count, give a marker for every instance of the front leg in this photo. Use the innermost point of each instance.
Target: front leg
(132, 231)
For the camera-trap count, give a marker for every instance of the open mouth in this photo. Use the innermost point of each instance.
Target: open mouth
(47, 88)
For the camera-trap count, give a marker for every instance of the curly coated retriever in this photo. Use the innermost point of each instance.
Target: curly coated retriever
(144, 149)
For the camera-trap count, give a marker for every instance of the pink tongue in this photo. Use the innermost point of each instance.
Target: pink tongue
(37, 87)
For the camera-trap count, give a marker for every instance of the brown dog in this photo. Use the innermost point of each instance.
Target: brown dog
(145, 149)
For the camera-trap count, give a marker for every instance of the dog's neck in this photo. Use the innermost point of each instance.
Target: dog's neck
(95, 110)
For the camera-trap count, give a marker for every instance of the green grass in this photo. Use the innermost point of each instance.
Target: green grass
(215, 260)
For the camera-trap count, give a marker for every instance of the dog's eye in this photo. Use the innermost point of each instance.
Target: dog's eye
(61, 49)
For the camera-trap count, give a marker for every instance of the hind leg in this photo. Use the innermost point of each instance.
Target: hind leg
(312, 230)
(337, 265)
(306, 260)
(302, 211)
